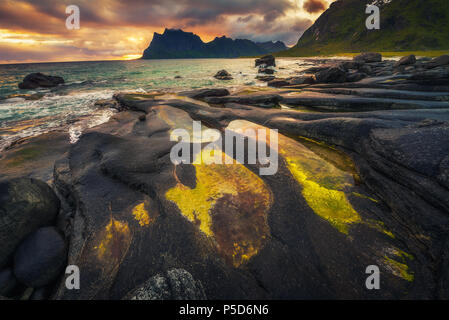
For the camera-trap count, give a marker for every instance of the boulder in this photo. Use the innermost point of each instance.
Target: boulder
(177, 284)
(267, 61)
(7, 282)
(368, 57)
(39, 80)
(40, 258)
(306, 79)
(223, 75)
(347, 65)
(406, 61)
(25, 206)
(438, 62)
(331, 75)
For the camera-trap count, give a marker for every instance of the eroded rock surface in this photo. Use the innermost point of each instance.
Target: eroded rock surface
(353, 189)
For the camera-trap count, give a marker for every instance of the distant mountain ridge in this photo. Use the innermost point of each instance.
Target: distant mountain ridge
(177, 44)
(405, 25)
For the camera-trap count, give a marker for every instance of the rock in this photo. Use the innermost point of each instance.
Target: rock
(39, 80)
(306, 79)
(177, 284)
(25, 206)
(178, 77)
(40, 258)
(8, 282)
(278, 83)
(438, 62)
(266, 70)
(405, 61)
(267, 61)
(265, 78)
(348, 65)
(331, 75)
(260, 100)
(368, 57)
(355, 77)
(142, 117)
(223, 75)
(203, 93)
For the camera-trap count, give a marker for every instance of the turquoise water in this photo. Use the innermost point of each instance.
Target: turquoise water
(87, 82)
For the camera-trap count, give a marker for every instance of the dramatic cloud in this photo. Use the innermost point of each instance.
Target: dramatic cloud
(314, 6)
(111, 29)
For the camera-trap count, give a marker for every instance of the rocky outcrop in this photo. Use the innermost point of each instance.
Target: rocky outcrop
(39, 80)
(266, 61)
(223, 75)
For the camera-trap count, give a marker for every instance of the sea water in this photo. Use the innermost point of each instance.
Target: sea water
(87, 82)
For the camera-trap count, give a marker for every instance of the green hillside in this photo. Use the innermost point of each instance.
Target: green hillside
(406, 25)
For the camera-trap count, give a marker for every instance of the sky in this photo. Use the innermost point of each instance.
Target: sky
(35, 30)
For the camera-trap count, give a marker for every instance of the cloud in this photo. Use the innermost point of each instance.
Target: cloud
(315, 6)
(110, 27)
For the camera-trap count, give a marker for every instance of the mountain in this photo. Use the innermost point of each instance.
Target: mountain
(177, 44)
(405, 25)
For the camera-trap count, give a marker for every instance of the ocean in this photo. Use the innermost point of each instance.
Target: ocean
(72, 105)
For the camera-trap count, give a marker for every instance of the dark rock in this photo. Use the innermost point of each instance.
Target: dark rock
(40, 258)
(267, 61)
(355, 77)
(203, 93)
(348, 65)
(260, 100)
(39, 80)
(177, 284)
(223, 75)
(8, 282)
(438, 62)
(278, 83)
(265, 78)
(331, 75)
(266, 70)
(407, 60)
(368, 57)
(142, 117)
(178, 77)
(25, 206)
(306, 79)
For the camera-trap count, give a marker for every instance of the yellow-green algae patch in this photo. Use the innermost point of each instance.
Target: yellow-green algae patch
(229, 203)
(322, 182)
(141, 215)
(325, 174)
(113, 241)
(399, 268)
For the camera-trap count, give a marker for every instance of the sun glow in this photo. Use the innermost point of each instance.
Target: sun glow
(131, 56)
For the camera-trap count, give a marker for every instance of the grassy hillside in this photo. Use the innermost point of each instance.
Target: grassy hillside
(406, 25)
